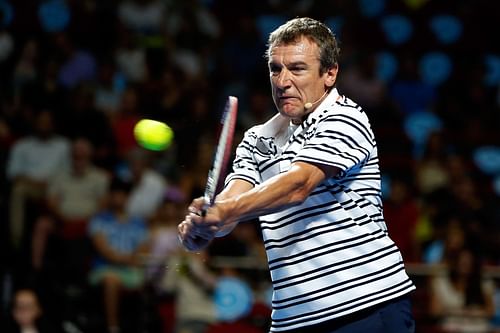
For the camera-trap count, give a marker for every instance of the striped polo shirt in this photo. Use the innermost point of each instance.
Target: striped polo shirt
(331, 255)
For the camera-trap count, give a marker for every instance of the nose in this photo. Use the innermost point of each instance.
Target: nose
(283, 79)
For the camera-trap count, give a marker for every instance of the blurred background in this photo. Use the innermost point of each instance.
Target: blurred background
(76, 76)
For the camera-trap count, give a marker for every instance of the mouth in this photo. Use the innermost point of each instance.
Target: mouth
(286, 99)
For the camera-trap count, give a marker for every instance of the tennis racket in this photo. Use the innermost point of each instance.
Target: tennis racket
(217, 173)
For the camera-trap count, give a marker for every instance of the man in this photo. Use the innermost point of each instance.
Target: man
(73, 197)
(311, 175)
(33, 161)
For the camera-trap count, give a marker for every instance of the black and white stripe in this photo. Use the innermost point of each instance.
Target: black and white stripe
(331, 255)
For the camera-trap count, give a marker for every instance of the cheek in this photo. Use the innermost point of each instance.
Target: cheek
(25, 317)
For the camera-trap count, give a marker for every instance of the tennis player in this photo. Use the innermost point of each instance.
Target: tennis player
(311, 175)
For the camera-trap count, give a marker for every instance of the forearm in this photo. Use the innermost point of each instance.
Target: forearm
(280, 192)
(241, 201)
(108, 253)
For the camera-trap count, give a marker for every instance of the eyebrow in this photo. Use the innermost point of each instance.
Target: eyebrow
(291, 64)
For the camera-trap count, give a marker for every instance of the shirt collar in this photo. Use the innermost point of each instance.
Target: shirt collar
(327, 103)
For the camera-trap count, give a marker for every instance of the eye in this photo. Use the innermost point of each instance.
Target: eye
(274, 69)
(297, 69)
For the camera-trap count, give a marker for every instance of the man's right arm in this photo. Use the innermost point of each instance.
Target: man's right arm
(234, 188)
(188, 234)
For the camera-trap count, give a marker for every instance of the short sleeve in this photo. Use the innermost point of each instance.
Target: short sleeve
(244, 165)
(340, 140)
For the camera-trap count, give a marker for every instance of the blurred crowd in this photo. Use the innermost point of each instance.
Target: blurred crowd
(88, 239)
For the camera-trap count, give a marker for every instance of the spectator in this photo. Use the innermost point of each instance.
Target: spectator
(26, 71)
(402, 214)
(148, 185)
(27, 314)
(408, 91)
(360, 81)
(78, 65)
(130, 58)
(108, 94)
(120, 240)
(73, 198)
(145, 16)
(462, 299)
(163, 228)
(123, 122)
(33, 161)
(190, 279)
(82, 119)
(432, 170)
(448, 242)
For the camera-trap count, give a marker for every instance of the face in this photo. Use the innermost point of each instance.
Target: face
(26, 308)
(295, 77)
(81, 155)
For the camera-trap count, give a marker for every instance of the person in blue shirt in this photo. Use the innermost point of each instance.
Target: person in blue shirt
(119, 241)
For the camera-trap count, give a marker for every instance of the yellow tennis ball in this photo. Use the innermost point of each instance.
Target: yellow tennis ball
(153, 134)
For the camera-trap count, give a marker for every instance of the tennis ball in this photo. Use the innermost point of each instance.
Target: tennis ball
(153, 134)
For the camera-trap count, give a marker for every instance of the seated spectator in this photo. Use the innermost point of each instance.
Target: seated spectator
(82, 119)
(32, 162)
(27, 314)
(462, 299)
(123, 122)
(192, 283)
(447, 243)
(432, 171)
(148, 185)
(401, 214)
(120, 241)
(164, 235)
(73, 198)
(78, 65)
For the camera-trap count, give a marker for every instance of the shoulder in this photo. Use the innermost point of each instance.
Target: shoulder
(345, 106)
(24, 143)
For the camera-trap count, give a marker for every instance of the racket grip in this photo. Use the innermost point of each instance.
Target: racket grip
(205, 207)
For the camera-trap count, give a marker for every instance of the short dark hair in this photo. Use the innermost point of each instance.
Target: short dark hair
(316, 31)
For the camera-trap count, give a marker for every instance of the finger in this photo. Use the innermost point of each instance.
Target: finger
(199, 202)
(181, 228)
(194, 210)
(197, 205)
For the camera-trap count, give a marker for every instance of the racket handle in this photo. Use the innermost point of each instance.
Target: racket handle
(205, 207)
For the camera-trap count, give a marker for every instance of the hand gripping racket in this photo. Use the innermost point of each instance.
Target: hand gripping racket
(216, 175)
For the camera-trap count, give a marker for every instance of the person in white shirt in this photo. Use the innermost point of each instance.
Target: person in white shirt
(32, 162)
(149, 186)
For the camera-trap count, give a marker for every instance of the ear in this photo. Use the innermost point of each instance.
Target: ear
(331, 76)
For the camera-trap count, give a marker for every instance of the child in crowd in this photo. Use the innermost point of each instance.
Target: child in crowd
(164, 239)
(27, 314)
(120, 241)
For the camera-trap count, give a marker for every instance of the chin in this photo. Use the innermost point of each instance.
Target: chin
(291, 111)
